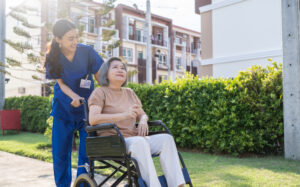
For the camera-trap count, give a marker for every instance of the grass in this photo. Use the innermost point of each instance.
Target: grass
(204, 169)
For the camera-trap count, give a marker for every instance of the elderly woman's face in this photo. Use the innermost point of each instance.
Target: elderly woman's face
(117, 72)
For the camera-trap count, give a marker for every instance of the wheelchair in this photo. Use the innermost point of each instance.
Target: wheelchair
(110, 151)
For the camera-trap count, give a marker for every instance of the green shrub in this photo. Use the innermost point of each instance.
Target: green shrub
(34, 111)
(235, 116)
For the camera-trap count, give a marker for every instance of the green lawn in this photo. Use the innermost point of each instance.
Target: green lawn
(205, 169)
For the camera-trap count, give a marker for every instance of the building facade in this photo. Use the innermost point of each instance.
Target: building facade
(237, 34)
(174, 49)
(20, 82)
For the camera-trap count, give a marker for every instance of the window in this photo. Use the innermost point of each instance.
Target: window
(159, 37)
(140, 55)
(91, 25)
(127, 54)
(46, 89)
(21, 90)
(109, 53)
(131, 78)
(91, 45)
(162, 59)
(139, 35)
(178, 63)
(130, 30)
(177, 40)
(162, 77)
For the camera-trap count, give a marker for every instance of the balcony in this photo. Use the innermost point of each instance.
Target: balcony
(159, 42)
(162, 66)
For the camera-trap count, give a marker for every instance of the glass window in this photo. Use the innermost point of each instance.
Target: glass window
(178, 62)
(130, 30)
(140, 55)
(91, 45)
(138, 35)
(124, 52)
(91, 25)
(162, 77)
(159, 37)
(162, 59)
(127, 54)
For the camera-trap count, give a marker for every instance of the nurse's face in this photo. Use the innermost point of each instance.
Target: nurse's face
(117, 73)
(69, 41)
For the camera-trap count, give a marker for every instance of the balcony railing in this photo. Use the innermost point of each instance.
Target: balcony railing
(144, 40)
(162, 65)
(160, 42)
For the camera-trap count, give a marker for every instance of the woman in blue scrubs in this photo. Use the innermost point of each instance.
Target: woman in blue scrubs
(72, 65)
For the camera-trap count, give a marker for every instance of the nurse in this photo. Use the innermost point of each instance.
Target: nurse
(72, 65)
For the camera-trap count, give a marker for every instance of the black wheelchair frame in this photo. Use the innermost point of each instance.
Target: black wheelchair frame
(112, 149)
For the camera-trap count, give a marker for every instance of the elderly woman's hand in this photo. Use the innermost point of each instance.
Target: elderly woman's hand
(143, 129)
(132, 112)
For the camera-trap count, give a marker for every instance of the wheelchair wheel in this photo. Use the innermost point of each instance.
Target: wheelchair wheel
(84, 180)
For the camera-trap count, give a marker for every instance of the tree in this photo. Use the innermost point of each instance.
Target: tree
(29, 57)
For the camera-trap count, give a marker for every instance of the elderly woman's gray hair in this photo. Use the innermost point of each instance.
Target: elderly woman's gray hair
(104, 71)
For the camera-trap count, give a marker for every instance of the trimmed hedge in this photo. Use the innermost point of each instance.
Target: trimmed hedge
(34, 111)
(235, 116)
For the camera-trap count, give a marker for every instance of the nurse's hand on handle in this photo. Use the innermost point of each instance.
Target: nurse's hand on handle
(69, 92)
(76, 101)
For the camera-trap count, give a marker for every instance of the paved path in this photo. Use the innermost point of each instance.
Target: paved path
(19, 171)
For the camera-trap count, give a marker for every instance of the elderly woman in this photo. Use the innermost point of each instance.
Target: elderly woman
(112, 103)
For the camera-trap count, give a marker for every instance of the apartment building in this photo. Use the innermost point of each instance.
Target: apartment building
(186, 44)
(20, 82)
(174, 49)
(131, 25)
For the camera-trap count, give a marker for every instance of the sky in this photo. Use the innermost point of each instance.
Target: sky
(182, 12)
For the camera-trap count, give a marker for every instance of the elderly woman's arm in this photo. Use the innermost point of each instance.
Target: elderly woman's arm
(96, 117)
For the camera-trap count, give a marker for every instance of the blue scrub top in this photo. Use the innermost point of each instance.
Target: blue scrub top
(86, 61)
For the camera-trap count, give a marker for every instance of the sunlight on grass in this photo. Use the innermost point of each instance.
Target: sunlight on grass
(204, 169)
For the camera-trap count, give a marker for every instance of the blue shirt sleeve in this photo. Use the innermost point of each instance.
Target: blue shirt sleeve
(48, 76)
(95, 60)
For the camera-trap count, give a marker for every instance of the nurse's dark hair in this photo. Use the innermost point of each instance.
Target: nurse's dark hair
(104, 71)
(60, 28)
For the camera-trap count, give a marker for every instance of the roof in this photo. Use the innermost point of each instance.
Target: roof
(186, 29)
(143, 12)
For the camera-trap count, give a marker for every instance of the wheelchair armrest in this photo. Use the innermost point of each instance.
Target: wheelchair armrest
(157, 123)
(103, 126)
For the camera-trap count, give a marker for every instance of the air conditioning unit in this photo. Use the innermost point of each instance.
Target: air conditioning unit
(22, 90)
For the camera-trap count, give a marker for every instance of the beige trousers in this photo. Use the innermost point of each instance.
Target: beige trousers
(141, 148)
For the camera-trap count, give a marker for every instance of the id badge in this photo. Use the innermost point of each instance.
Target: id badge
(84, 83)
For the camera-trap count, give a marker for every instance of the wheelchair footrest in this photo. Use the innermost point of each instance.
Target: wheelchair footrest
(163, 181)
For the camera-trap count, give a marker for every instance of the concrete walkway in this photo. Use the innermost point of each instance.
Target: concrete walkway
(19, 171)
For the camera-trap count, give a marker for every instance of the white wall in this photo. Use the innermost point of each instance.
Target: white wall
(242, 30)
(228, 70)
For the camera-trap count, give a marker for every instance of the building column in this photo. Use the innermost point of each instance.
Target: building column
(291, 78)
